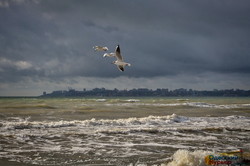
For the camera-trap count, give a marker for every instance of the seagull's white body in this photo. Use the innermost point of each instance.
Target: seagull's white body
(109, 54)
(100, 48)
(119, 62)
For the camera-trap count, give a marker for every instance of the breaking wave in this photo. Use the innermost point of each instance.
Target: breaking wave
(114, 141)
(24, 123)
(193, 158)
(132, 102)
(170, 122)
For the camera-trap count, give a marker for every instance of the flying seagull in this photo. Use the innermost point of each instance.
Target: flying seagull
(119, 62)
(100, 48)
(112, 54)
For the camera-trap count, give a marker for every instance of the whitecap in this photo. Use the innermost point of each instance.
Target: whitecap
(101, 100)
(185, 157)
(182, 99)
(132, 100)
(209, 105)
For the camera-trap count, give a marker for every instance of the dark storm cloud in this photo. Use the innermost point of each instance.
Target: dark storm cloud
(54, 38)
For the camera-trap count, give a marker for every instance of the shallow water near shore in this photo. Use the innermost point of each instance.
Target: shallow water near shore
(120, 131)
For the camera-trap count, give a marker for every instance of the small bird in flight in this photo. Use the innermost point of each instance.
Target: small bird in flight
(119, 62)
(100, 48)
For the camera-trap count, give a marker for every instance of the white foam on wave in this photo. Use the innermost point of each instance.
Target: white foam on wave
(132, 102)
(128, 137)
(169, 122)
(150, 120)
(208, 105)
(186, 158)
(101, 100)
(37, 124)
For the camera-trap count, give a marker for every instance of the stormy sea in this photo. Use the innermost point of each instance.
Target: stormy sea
(122, 131)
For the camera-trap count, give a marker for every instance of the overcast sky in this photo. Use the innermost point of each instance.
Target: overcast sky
(47, 45)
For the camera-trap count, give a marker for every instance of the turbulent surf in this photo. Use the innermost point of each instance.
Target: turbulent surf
(121, 131)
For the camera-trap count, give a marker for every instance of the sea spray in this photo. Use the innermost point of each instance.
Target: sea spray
(185, 157)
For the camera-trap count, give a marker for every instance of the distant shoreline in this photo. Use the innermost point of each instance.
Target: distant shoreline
(143, 92)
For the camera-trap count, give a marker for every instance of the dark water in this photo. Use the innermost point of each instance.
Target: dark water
(121, 131)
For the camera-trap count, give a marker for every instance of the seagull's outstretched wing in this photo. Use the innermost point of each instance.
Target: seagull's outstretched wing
(118, 53)
(120, 67)
(109, 54)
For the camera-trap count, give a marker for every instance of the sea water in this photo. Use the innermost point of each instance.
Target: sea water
(121, 131)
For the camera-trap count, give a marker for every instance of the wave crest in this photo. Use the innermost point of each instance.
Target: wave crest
(185, 157)
(145, 121)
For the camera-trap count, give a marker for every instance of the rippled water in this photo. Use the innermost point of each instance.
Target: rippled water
(121, 131)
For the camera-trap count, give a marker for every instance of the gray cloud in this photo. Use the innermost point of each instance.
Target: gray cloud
(52, 40)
